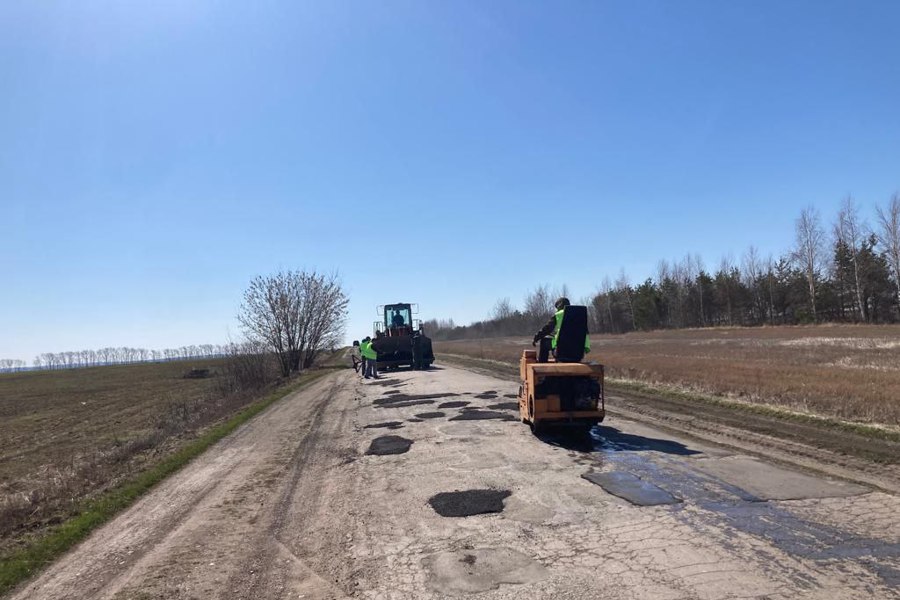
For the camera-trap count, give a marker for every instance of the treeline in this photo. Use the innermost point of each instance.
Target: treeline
(845, 271)
(114, 356)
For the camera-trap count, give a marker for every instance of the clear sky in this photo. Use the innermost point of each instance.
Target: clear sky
(155, 156)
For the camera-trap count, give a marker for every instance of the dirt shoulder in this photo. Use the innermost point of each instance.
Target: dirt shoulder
(783, 437)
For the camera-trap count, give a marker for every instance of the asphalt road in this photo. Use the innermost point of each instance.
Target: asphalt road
(355, 489)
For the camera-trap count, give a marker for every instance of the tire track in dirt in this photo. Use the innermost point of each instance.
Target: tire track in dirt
(188, 536)
(268, 581)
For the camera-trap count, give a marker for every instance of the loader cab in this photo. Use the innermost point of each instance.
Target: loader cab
(397, 320)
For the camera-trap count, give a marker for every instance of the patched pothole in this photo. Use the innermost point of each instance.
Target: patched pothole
(431, 415)
(479, 415)
(389, 444)
(385, 425)
(454, 404)
(468, 502)
(386, 403)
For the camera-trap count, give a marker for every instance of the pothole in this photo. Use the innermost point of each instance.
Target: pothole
(487, 395)
(468, 502)
(431, 415)
(505, 406)
(385, 425)
(454, 404)
(389, 444)
(480, 415)
(481, 569)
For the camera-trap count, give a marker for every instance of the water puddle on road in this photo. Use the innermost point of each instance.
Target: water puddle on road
(631, 488)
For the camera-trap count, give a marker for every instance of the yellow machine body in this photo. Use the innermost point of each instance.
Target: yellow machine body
(560, 393)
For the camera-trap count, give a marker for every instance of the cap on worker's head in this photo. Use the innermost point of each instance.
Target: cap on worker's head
(561, 303)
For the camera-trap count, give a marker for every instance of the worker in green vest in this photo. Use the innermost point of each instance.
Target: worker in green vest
(371, 357)
(555, 324)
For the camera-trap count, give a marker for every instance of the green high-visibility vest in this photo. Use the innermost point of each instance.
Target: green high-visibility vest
(559, 319)
(368, 352)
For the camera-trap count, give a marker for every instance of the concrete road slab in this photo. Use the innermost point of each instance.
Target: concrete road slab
(770, 482)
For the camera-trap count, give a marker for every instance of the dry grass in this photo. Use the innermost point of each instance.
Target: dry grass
(846, 371)
(68, 435)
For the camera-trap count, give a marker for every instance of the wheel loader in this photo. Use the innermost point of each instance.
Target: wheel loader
(557, 387)
(400, 340)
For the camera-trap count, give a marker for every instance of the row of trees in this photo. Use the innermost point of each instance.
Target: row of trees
(8, 365)
(847, 271)
(291, 315)
(113, 356)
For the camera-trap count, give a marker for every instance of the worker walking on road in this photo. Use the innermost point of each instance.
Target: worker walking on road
(554, 324)
(356, 357)
(371, 357)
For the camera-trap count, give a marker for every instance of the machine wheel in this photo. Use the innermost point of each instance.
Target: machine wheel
(536, 427)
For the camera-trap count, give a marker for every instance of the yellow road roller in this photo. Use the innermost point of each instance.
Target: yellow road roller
(557, 387)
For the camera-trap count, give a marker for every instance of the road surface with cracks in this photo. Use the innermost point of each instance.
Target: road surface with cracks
(304, 502)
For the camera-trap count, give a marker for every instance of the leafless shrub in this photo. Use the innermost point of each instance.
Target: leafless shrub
(297, 314)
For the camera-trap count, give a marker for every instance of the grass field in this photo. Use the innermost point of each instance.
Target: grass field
(69, 436)
(850, 372)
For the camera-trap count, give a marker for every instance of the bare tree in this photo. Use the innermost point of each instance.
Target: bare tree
(752, 273)
(538, 305)
(503, 309)
(849, 231)
(624, 287)
(296, 313)
(808, 250)
(889, 236)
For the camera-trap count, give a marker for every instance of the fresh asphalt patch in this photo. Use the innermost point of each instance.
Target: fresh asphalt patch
(481, 415)
(454, 404)
(431, 415)
(385, 425)
(401, 404)
(468, 502)
(389, 444)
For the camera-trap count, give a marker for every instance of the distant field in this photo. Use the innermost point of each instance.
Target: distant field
(845, 371)
(65, 435)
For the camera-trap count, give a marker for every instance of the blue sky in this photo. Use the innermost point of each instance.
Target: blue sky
(156, 156)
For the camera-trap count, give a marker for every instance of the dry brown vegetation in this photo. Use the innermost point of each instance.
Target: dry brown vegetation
(68, 435)
(847, 371)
